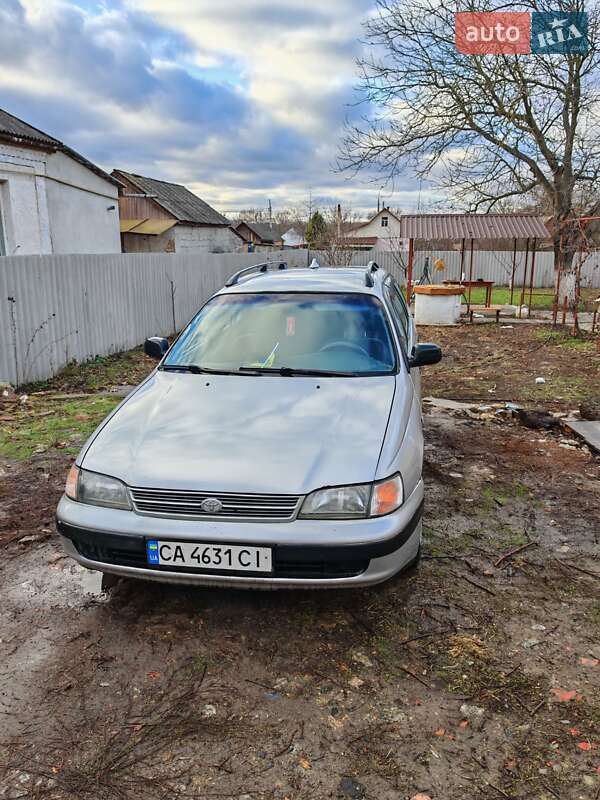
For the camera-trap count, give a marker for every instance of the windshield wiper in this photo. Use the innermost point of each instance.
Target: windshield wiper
(193, 368)
(291, 371)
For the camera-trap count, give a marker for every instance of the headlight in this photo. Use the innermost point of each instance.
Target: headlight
(341, 501)
(355, 502)
(96, 489)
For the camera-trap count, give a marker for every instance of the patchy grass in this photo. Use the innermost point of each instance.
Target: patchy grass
(44, 425)
(128, 368)
(540, 299)
(583, 343)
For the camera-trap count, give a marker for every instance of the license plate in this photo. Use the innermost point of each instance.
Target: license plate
(229, 557)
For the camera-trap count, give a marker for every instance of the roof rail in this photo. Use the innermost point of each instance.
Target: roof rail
(258, 268)
(371, 268)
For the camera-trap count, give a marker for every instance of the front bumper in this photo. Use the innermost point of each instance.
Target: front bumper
(306, 553)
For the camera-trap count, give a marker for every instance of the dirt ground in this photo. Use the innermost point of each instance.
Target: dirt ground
(476, 675)
(501, 362)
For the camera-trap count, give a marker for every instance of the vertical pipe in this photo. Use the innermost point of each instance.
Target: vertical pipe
(470, 276)
(462, 260)
(409, 269)
(534, 245)
(514, 267)
(564, 314)
(524, 278)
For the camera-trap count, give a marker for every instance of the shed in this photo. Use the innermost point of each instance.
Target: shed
(261, 233)
(160, 216)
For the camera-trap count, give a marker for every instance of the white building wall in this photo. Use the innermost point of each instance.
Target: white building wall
(186, 239)
(375, 228)
(206, 239)
(52, 204)
(83, 208)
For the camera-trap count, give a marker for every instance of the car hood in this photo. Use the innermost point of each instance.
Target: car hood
(245, 433)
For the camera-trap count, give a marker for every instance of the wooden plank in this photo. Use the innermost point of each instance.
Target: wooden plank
(588, 430)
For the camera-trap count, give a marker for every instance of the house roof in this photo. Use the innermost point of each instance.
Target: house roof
(21, 132)
(472, 226)
(464, 226)
(266, 231)
(356, 226)
(184, 205)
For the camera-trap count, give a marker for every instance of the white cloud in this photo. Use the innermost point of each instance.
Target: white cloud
(294, 55)
(241, 101)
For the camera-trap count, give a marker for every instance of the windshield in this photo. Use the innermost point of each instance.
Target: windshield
(333, 333)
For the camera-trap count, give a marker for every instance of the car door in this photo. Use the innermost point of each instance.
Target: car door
(405, 327)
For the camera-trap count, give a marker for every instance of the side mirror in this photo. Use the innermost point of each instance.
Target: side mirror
(424, 354)
(156, 347)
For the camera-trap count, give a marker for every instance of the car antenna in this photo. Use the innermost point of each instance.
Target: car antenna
(314, 264)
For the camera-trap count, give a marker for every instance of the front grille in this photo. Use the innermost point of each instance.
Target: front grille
(184, 503)
(128, 552)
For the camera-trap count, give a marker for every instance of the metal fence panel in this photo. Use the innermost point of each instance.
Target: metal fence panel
(487, 265)
(56, 309)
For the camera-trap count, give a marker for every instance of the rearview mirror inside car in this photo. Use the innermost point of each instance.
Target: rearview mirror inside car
(156, 347)
(424, 354)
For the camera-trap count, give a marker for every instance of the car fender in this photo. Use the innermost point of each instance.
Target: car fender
(402, 449)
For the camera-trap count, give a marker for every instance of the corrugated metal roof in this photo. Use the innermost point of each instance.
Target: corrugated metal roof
(472, 226)
(176, 199)
(12, 127)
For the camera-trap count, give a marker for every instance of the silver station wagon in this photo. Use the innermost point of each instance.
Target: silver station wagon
(278, 442)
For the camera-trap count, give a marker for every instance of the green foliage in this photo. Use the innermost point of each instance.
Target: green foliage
(316, 229)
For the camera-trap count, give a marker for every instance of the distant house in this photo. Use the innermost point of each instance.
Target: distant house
(52, 199)
(157, 216)
(260, 233)
(381, 232)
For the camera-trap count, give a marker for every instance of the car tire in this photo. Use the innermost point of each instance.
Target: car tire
(109, 581)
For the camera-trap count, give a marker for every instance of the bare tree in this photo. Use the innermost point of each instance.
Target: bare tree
(335, 248)
(487, 128)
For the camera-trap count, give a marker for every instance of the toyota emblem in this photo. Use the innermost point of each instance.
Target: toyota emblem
(211, 505)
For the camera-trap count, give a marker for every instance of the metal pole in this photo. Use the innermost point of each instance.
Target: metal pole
(532, 271)
(470, 277)
(462, 260)
(409, 269)
(524, 278)
(514, 267)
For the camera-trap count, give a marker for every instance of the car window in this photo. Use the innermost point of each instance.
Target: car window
(400, 314)
(334, 332)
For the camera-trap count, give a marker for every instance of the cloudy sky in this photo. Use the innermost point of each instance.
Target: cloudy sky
(241, 101)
